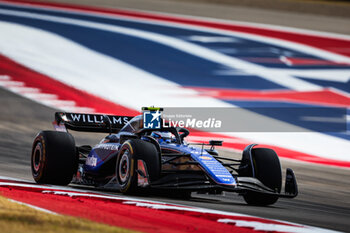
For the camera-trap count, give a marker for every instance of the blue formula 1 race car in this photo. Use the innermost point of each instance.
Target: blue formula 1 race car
(133, 159)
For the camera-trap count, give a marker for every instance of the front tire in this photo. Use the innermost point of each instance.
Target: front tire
(267, 169)
(126, 166)
(53, 158)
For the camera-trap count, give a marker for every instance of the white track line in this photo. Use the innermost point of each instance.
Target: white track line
(268, 227)
(36, 95)
(34, 207)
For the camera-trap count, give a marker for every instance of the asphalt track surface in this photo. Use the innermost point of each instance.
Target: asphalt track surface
(324, 191)
(324, 198)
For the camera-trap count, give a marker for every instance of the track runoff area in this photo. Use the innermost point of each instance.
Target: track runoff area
(139, 214)
(84, 59)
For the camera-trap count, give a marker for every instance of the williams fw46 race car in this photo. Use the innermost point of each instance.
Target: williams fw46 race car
(134, 160)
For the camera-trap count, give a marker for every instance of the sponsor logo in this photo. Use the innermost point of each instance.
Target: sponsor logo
(227, 176)
(205, 157)
(107, 147)
(91, 161)
(97, 119)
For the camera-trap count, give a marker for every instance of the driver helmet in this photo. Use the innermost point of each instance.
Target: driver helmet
(163, 136)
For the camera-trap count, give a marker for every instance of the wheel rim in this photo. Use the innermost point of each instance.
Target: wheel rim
(37, 157)
(124, 167)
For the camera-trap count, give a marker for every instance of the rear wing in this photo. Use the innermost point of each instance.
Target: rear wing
(90, 122)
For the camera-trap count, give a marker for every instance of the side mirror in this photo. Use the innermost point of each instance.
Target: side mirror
(215, 143)
(184, 133)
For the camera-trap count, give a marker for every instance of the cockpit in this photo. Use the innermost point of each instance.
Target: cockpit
(162, 135)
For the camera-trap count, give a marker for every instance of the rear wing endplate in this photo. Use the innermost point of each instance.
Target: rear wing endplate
(90, 122)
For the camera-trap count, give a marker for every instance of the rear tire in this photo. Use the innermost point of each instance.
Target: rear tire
(267, 169)
(126, 166)
(54, 159)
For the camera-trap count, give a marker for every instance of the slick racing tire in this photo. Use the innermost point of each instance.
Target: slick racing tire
(267, 169)
(54, 159)
(126, 166)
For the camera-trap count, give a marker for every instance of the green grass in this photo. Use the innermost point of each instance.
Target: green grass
(15, 217)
